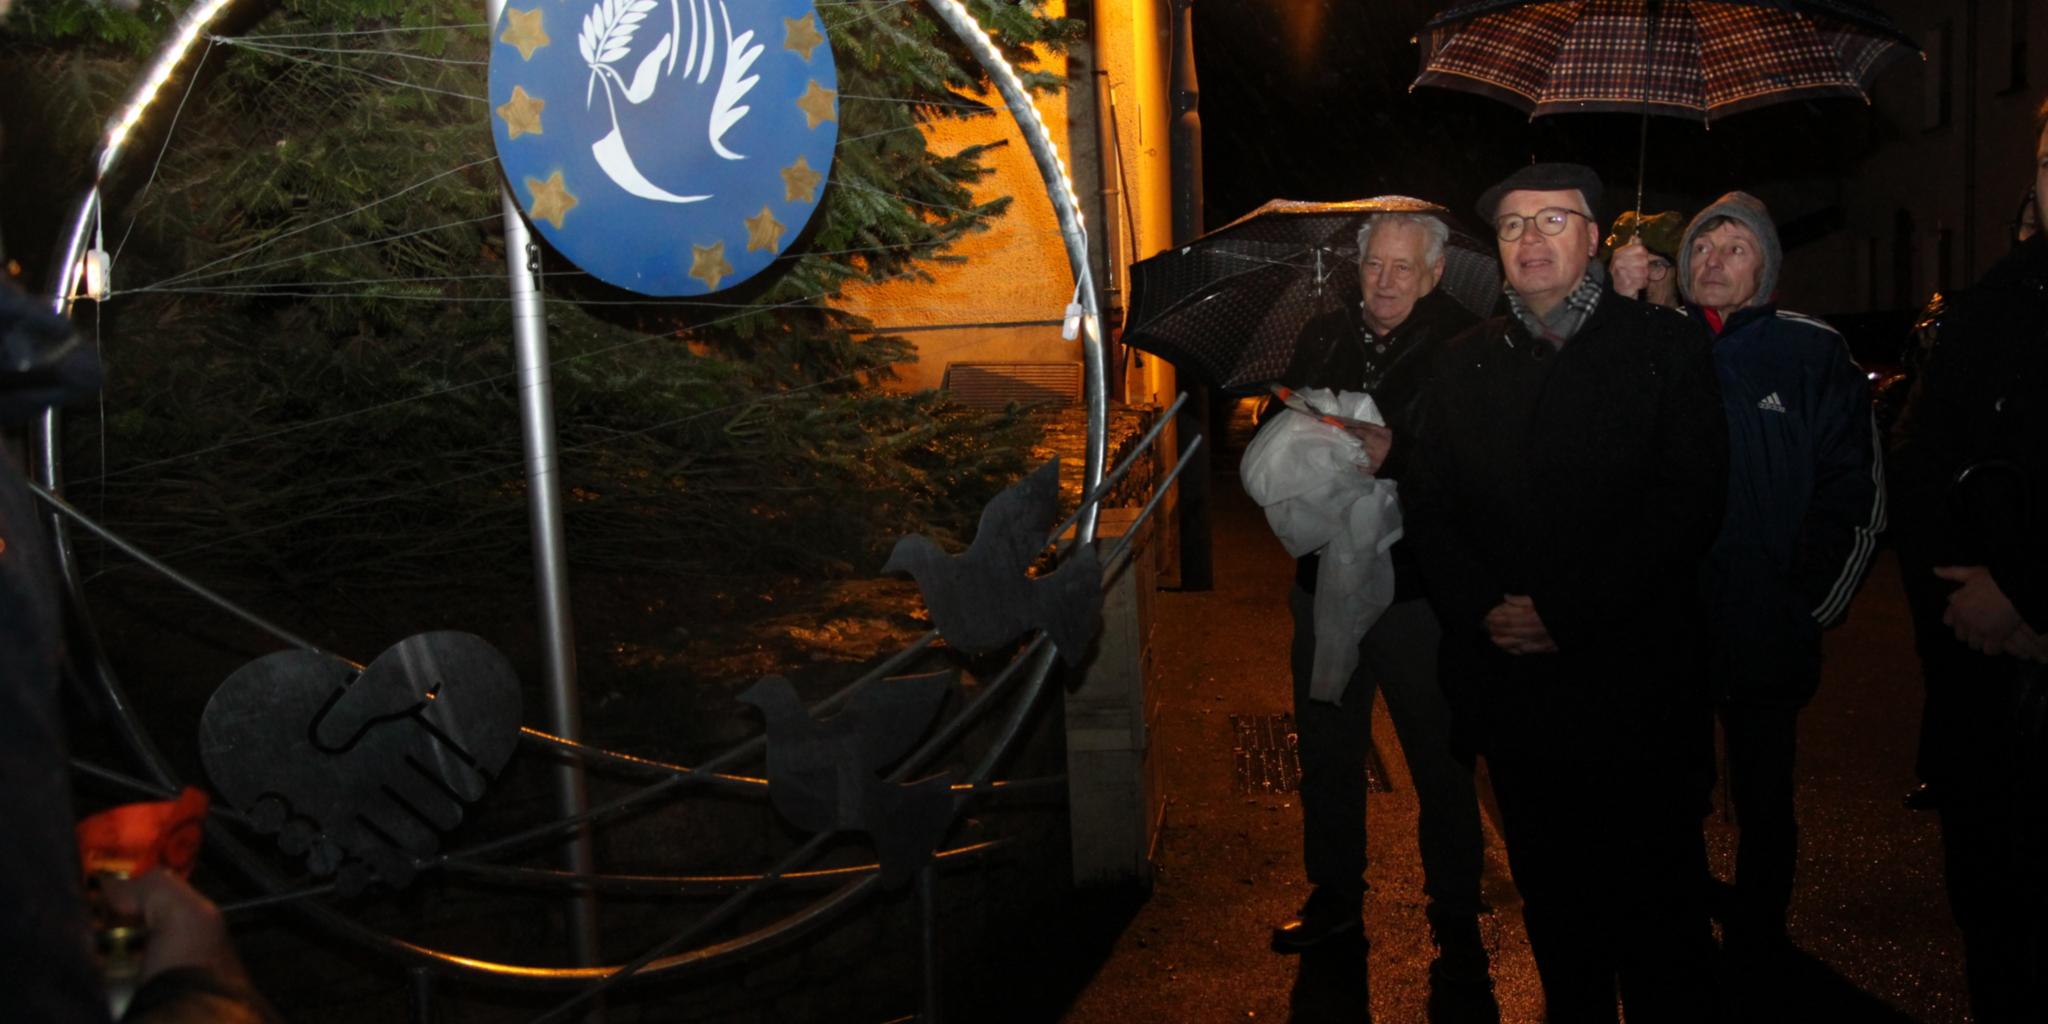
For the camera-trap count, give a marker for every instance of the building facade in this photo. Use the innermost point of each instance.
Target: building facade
(1950, 145)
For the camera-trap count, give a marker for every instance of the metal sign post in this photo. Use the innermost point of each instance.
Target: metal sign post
(550, 555)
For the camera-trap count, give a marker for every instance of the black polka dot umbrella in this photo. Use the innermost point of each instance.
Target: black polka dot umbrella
(1231, 305)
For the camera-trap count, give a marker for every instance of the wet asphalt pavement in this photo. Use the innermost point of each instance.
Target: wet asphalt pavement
(1869, 915)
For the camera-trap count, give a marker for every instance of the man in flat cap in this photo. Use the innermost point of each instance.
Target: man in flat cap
(1568, 484)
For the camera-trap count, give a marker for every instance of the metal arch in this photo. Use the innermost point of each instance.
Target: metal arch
(46, 437)
(47, 450)
(1072, 231)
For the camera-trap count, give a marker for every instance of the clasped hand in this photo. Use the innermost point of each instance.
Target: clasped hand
(1984, 618)
(1378, 441)
(1514, 626)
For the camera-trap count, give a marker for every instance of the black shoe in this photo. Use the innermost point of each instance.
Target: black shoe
(1460, 1003)
(1460, 984)
(1326, 917)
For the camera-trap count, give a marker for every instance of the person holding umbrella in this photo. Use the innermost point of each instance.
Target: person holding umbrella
(1805, 506)
(1569, 479)
(1654, 240)
(1383, 346)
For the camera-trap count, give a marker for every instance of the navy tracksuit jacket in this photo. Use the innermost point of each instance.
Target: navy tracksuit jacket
(1805, 502)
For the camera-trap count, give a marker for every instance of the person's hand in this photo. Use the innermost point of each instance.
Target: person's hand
(185, 928)
(1630, 268)
(1514, 627)
(2025, 643)
(1378, 441)
(1980, 613)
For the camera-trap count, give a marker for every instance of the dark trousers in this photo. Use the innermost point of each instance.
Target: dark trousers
(1398, 658)
(1993, 848)
(1608, 858)
(1762, 741)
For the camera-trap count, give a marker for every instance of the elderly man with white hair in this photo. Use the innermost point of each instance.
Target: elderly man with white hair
(1384, 347)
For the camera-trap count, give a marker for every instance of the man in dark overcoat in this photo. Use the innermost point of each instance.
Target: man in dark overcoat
(1567, 483)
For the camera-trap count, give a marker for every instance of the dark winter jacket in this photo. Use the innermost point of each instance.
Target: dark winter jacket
(1969, 486)
(44, 937)
(1589, 478)
(1805, 501)
(1394, 368)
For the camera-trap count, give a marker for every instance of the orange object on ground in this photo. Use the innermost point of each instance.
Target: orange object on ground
(132, 838)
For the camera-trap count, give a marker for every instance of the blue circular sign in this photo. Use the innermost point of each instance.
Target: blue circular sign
(671, 147)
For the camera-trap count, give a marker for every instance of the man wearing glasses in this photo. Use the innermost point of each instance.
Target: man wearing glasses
(1569, 480)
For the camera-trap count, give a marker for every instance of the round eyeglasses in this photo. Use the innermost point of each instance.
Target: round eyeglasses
(1550, 220)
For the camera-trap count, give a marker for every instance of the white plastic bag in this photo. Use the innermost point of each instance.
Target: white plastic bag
(1314, 481)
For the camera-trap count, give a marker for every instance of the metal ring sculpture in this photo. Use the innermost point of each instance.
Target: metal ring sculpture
(1026, 674)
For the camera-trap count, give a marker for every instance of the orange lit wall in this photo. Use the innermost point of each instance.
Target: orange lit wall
(1005, 302)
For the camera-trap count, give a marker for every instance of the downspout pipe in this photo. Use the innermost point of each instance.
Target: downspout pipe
(1197, 570)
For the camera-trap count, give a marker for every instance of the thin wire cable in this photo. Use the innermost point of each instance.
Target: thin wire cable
(170, 132)
(366, 31)
(186, 279)
(416, 279)
(985, 108)
(946, 350)
(868, 15)
(367, 502)
(280, 50)
(169, 573)
(422, 183)
(235, 288)
(437, 392)
(401, 83)
(901, 199)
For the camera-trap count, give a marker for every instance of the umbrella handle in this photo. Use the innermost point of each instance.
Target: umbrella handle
(1652, 8)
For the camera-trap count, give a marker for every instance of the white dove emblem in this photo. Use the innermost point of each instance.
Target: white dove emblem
(607, 37)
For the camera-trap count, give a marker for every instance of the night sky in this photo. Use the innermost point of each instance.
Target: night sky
(1308, 99)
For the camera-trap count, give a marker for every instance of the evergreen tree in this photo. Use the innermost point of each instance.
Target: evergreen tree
(310, 372)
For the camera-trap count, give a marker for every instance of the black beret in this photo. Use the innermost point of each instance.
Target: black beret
(1542, 178)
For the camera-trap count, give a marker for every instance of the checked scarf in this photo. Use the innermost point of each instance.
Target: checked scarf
(1570, 315)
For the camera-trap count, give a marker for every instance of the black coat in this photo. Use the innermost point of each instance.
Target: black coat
(1980, 399)
(44, 938)
(1591, 479)
(1340, 354)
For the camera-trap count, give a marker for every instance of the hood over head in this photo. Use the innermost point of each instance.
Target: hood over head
(1750, 212)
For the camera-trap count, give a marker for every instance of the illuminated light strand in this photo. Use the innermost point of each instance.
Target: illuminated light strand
(189, 30)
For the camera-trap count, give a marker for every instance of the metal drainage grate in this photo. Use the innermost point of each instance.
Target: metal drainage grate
(1265, 757)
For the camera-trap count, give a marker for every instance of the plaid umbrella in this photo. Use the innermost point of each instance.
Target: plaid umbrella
(1684, 58)
(1231, 305)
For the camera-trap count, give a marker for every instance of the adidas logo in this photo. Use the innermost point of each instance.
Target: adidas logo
(1771, 403)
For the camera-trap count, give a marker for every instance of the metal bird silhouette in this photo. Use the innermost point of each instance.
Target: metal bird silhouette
(825, 775)
(359, 773)
(985, 597)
